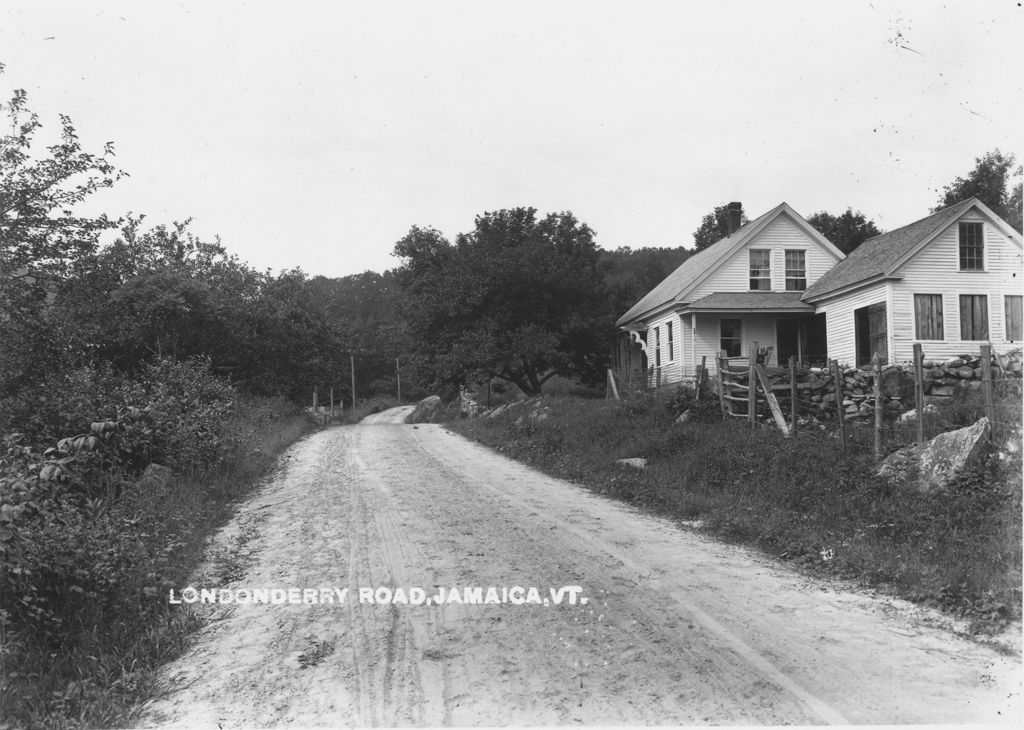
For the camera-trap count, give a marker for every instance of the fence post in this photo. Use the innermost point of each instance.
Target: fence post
(794, 404)
(840, 409)
(919, 390)
(332, 402)
(986, 388)
(611, 382)
(876, 363)
(752, 387)
(721, 384)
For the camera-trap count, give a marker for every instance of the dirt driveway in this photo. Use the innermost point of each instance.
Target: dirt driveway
(674, 629)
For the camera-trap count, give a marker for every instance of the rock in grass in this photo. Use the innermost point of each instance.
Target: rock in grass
(636, 462)
(939, 461)
(426, 410)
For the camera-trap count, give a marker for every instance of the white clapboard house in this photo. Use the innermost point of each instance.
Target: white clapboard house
(951, 281)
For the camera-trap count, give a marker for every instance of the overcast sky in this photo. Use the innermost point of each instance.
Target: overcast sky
(315, 134)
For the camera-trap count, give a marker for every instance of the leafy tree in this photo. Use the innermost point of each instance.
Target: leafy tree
(846, 230)
(714, 227)
(518, 298)
(630, 273)
(40, 236)
(991, 181)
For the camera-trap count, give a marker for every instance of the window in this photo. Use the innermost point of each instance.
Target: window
(972, 247)
(796, 271)
(928, 317)
(973, 317)
(1014, 325)
(657, 347)
(732, 337)
(671, 345)
(760, 269)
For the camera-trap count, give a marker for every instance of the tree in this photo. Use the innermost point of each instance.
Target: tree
(714, 227)
(846, 231)
(992, 183)
(41, 236)
(518, 298)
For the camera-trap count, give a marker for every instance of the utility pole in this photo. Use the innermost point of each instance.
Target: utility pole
(352, 365)
(398, 379)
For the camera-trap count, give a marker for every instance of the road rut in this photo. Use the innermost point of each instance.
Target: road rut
(677, 628)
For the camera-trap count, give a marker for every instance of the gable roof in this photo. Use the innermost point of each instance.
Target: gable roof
(696, 268)
(880, 256)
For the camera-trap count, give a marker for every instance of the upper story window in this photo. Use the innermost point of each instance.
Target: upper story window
(972, 247)
(796, 270)
(760, 269)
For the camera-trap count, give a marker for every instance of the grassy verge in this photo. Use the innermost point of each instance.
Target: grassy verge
(800, 499)
(90, 659)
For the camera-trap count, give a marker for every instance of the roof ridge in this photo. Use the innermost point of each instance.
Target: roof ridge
(920, 220)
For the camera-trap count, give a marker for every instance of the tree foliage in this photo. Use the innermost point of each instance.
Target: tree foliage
(518, 298)
(992, 182)
(847, 230)
(714, 227)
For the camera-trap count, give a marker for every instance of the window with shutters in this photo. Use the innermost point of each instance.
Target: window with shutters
(972, 247)
(796, 271)
(760, 269)
(671, 344)
(928, 317)
(1012, 310)
(657, 347)
(973, 317)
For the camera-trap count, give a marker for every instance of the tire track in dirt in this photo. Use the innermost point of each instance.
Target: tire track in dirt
(679, 629)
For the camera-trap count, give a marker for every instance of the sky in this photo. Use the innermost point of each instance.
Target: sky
(315, 134)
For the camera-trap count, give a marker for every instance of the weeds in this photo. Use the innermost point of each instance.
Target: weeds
(91, 549)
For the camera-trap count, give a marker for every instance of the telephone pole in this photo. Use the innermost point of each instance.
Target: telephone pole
(352, 366)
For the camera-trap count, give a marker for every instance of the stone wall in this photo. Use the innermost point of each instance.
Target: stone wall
(816, 388)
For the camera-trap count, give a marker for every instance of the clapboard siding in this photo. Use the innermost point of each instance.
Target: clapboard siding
(839, 324)
(779, 235)
(936, 270)
(673, 369)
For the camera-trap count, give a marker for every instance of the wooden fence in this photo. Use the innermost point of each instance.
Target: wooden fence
(749, 389)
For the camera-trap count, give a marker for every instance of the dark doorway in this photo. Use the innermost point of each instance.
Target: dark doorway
(815, 341)
(787, 340)
(870, 327)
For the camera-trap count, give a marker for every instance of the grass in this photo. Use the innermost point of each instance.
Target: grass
(99, 666)
(801, 500)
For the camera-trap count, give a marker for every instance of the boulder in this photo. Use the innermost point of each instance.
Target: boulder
(895, 383)
(155, 475)
(636, 462)
(426, 410)
(939, 461)
(946, 391)
(684, 417)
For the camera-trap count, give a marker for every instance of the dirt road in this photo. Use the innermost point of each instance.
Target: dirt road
(677, 629)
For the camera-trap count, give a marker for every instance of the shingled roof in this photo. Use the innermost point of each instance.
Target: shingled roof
(690, 270)
(764, 301)
(877, 256)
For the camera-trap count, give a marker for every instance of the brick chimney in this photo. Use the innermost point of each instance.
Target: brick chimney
(735, 215)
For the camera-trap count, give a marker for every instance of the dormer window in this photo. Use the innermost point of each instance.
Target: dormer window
(972, 247)
(760, 269)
